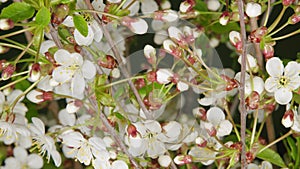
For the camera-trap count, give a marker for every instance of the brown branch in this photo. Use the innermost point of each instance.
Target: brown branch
(242, 85)
(119, 59)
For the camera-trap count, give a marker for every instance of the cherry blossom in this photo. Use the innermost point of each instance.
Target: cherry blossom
(73, 69)
(282, 80)
(253, 9)
(21, 159)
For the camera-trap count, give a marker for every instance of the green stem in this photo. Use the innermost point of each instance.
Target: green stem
(232, 122)
(16, 33)
(275, 23)
(297, 162)
(276, 141)
(254, 127)
(260, 128)
(122, 81)
(99, 12)
(121, 5)
(23, 52)
(268, 13)
(279, 29)
(14, 82)
(287, 35)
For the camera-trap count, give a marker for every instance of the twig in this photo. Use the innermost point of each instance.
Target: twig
(242, 85)
(55, 38)
(119, 59)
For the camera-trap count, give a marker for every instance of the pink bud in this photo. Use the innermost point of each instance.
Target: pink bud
(183, 159)
(224, 18)
(294, 19)
(132, 131)
(6, 24)
(287, 2)
(8, 71)
(150, 54)
(252, 101)
(288, 119)
(257, 35)
(187, 6)
(268, 51)
(201, 142)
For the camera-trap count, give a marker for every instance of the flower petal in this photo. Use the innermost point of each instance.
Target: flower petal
(84, 40)
(35, 161)
(283, 96)
(77, 85)
(62, 74)
(274, 67)
(88, 69)
(215, 115)
(271, 84)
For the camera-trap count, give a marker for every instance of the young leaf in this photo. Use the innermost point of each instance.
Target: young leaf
(293, 147)
(271, 156)
(80, 24)
(43, 17)
(18, 11)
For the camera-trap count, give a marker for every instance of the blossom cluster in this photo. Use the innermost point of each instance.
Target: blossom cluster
(76, 94)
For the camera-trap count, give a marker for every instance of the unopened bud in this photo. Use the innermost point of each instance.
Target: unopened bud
(108, 62)
(136, 25)
(3, 49)
(183, 159)
(6, 24)
(166, 15)
(268, 51)
(224, 18)
(150, 54)
(35, 72)
(252, 101)
(132, 131)
(294, 19)
(287, 2)
(288, 119)
(8, 71)
(39, 96)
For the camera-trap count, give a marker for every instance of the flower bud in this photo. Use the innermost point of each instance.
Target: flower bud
(268, 51)
(294, 19)
(252, 101)
(35, 72)
(108, 62)
(131, 130)
(224, 18)
(136, 25)
(164, 76)
(213, 5)
(3, 49)
(230, 83)
(288, 119)
(287, 2)
(172, 48)
(253, 9)
(257, 35)
(183, 159)
(200, 113)
(201, 142)
(187, 6)
(39, 96)
(74, 106)
(6, 24)
(8, 71)
(150, 54)
(139, 83)
(60, 13)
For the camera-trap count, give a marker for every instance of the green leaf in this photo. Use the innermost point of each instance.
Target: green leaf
(38, 36)
(18, 11)
(293, 147)
(220, 29)
(200, 6)
(33, 3)
(271, 156)
(43, 17)
(80, 24)
(105, 99)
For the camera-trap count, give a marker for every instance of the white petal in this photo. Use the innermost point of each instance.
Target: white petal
(63, 57)
(160, 37)
(175, 33)
(46, 45)
(32, 96)
(134, 8)
(224, 129)
(170, 16)
(206, 101)
(98, 34)
(258, 84)
(56, 158)
(62, 74)
(149, 51)
(13, 96)
(215, 115)
(163, 75)
(291, 70)
(149, 6)
(35, 161)
(153, 126)
(253, 9)
(283, 96)
(271, 84)
(65, 118)
(155, 149)
(73, 139)
(39, 124)
(118, 164)
(20, 154)
(84, 40)
(172, 129)
(274, 67)
(234, 37)
(213, 5)
(139, 27)
(77, 85)
(88, 69)
(68, 21)
(181, 86)
(164, 160)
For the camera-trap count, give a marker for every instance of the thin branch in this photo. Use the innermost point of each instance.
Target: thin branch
(119, 59)
(54, 35)
(242, 85)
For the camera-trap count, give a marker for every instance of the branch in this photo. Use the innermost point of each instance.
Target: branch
(242, 85)
(119, 59)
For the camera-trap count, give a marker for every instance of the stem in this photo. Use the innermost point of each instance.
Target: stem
(254, 128)
(279, 29)
(287, 35)
(232, 121)
(99, 12)
(14, 82)
(122, 81)
(119, 59)
(270, 130)
(297, 162)
(54, 35)
(23, 52)
(276, 141)
(242, 85)
(267, 14)
(16, 33)
(275, 23)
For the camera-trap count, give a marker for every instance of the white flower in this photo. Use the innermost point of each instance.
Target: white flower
(251, 84)
(136, 25)
(253, 9)
(164, 160)
(213, 5)
(43, 142)
(147, 6)
(146, 140)
(73, 68)
(282, 81)
(6, 103)
(251, 63)
(14, 129)
(85, 150)
(216, 121)
(21, 160)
